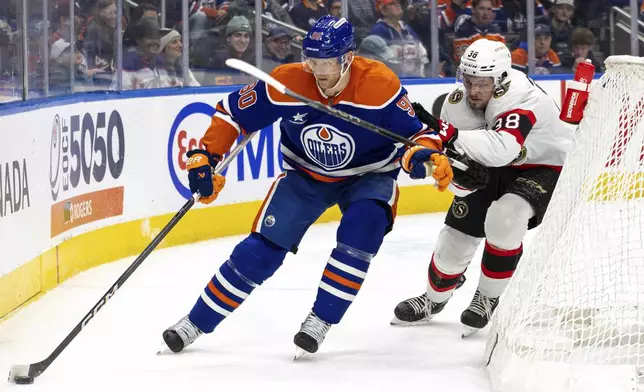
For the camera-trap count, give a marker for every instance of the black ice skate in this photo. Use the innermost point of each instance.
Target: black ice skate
(417, 310)
(311, 335)
(478, 314)
(180, 335)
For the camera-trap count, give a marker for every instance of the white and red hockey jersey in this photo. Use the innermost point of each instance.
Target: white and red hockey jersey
(520, 126)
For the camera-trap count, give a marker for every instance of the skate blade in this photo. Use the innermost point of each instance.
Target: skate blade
(468, 331)
(399, 323)
(299, 353)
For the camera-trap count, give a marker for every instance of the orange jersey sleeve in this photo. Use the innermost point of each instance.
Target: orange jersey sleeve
(222, 132)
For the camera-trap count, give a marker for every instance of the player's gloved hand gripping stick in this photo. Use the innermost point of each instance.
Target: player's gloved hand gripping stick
(25, 374)
(476, 176)
(271, 81)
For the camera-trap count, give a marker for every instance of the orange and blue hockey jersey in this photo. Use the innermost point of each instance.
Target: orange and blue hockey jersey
(467, 32)
(320, 145)
(520, 60)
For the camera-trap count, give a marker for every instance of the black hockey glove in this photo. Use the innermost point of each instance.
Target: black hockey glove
(475, 177)
(446, 131)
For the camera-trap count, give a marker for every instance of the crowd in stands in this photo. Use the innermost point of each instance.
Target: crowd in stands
(397, 32)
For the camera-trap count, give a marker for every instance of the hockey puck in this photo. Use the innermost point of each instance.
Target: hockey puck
(23, 380)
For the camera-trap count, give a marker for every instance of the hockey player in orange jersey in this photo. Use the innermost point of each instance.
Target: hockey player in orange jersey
(327, 161)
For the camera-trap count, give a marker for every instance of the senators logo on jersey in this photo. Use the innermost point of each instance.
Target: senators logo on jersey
(327, 146)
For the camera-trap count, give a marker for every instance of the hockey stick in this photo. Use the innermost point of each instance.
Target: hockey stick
(25, 374)
(271, 81)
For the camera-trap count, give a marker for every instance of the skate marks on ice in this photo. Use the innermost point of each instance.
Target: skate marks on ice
(254, 347)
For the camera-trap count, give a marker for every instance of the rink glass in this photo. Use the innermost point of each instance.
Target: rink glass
(27, 26)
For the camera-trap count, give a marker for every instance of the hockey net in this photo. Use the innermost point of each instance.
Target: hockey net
(572, 318)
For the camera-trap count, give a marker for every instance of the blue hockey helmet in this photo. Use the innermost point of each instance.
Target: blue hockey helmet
(327, 46)
(329, 37)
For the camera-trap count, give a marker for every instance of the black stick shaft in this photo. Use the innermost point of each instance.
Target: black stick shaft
(36, 369)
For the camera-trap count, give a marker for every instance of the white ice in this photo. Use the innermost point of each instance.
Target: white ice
(252, 350)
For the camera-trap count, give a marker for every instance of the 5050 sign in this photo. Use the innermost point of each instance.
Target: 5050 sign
(85, 146)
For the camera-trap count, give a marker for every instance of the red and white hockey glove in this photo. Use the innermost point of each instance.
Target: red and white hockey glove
(445, 130)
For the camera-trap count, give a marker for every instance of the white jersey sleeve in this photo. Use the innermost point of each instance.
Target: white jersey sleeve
(520, 126)
(496, 136)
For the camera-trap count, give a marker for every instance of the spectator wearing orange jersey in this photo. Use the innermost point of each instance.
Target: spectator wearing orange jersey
(546, 58)
(472, 28)
(642, 11)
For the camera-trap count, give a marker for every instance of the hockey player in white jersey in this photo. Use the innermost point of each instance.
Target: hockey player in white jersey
(498, 117)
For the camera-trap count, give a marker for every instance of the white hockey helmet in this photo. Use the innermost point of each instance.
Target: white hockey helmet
(486, 58)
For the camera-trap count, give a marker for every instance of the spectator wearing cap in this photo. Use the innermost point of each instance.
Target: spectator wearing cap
(469, 29)
(238, 34)
(581, 40)
(546, 58)
(269, 7)
(143, 10)
(211, 55)
(376, 48)
(60, 57)
(306, 13)
(277, 49)
(143, 68)
(170, 48)
(560, 18)
(399, 36)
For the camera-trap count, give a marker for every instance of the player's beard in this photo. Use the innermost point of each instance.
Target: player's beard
(476, 105)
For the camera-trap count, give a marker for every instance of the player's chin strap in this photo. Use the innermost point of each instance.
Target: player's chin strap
(271, 81)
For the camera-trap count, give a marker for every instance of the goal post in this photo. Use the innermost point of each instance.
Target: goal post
(572, 317)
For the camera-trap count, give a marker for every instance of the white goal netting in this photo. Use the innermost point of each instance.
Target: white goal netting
(572, 318)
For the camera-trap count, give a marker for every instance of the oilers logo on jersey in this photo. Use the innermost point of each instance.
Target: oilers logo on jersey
(327, 146)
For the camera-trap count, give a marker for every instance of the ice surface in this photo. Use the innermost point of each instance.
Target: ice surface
(252, 350)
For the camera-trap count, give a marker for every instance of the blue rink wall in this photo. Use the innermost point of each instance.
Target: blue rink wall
(92, 178)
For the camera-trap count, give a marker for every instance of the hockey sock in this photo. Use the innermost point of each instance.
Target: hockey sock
(497, 267)
(252, 262)
(441, 285)
(360, 235)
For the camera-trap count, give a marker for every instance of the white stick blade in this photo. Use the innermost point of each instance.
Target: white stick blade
(18, 371)
(256, 72)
